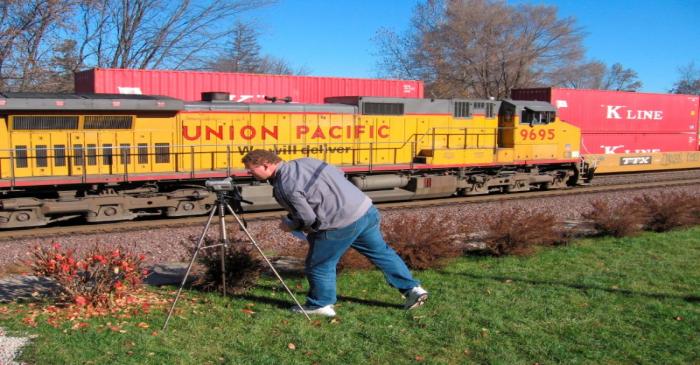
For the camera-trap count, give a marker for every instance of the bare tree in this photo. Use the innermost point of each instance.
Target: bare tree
(688, 80)
(42, 42)
(596, 75)
(25, 42)
(619, 78)
(481, 48)
(157, 33)
(243, 55)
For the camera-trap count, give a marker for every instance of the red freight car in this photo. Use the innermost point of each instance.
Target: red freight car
(243, 87)
(628, 131)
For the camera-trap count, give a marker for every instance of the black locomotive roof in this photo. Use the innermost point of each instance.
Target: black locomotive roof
(102, 102)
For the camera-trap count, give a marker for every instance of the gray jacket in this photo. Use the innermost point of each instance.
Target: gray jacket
(317, 195)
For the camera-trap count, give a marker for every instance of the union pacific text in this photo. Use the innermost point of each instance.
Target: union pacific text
(248, 132)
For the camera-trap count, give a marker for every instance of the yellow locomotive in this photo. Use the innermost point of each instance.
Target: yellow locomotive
(117, 157)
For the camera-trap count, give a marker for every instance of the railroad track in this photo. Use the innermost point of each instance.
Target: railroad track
(147, 224)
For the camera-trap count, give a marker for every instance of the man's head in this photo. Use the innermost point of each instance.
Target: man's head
(261, 163)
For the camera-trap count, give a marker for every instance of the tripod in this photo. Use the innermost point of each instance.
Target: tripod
(222, 206)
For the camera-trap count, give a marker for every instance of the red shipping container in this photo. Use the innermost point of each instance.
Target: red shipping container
(249, 88)
(604, 111)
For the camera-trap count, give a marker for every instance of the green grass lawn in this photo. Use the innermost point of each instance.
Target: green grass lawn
(630, 300)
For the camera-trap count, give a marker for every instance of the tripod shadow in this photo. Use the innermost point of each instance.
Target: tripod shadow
(627, 292)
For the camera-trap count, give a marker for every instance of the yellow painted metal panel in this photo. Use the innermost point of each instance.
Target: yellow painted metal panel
(4, 149)
(21, 151)
(166, 160)
(143, 157)
(107, 153)
(77, 154)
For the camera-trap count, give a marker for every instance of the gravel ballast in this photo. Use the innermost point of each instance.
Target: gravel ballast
(172, 244)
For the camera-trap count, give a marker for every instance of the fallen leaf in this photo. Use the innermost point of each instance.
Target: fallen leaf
(142, 325)
(419, 358)
(79, 325)
(248, 311)
(679, 318)
(291, 346)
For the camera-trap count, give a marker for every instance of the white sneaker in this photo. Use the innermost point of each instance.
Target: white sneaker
(326, 311)
(415, 298)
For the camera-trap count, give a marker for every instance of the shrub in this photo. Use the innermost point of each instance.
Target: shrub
(97, 279)
(243, 265)
(621, 220)
(422, 242)
(516, 231)
(666, 211)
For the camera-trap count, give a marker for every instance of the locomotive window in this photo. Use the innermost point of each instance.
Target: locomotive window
(489, 110)
(162, 152)
(108, 122)
(78, 154)
(143, 153)
(91, 154)
(107, 154)
(479, 105)
(59, 155)
(21, 156)
(125, 153)
(533, 117)
(462, 109)
(27, 122)
(41, 156)
(382, 108)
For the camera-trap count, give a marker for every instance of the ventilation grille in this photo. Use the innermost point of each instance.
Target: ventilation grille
(108, 122)
(382, 108)
(29, 122)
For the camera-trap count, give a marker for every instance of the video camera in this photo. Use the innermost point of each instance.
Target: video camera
(220, 185)
(227, 190)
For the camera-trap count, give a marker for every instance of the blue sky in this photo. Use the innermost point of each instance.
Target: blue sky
(334, 37)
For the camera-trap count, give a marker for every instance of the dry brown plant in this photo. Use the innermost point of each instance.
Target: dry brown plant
(666, 211)
(243, 265)
(517, 231)
(624, 219)
(422, 242)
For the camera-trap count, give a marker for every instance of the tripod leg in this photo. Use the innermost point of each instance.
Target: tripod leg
(189, 268)
(252, 240)
(224, 246)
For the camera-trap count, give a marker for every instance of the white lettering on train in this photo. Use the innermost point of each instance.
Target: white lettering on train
(621, 112)
(608, 150)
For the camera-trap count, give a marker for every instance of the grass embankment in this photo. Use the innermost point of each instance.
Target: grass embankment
(629, 300)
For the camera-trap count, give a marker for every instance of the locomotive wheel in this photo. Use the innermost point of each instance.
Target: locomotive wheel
(23, 218)
(110, 213)
(191, 207)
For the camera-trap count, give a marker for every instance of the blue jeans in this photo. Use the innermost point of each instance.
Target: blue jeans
(327, 247)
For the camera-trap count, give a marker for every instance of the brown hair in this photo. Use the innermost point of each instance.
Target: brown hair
(259, 157)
